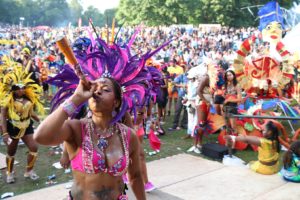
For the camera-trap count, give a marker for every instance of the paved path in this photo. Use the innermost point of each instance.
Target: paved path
(193, 178)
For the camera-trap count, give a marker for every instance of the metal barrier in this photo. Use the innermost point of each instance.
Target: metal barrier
(228, 115)
(262, 117)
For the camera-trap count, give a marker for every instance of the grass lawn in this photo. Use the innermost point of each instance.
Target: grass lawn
(172, 144)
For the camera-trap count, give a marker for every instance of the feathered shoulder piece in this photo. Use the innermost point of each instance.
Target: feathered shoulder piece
(18, 78)
(7, 64)
(99, 59)
(213, 74)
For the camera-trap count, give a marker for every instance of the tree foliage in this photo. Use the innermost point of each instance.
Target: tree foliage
(94, 14)
(167, 12)
(51, 12)
(151, 12)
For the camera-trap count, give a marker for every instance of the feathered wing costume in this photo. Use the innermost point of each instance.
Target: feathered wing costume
(7, 65)
(33, 91)
(99, 59)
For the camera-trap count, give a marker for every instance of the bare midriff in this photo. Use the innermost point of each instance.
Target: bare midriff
(100, 186)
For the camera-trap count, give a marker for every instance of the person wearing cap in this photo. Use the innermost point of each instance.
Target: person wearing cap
(190, 102)
(174, 71)
(25, 57)
(180, 82)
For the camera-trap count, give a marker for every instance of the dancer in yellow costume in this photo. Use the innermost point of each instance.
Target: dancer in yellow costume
(19, 98)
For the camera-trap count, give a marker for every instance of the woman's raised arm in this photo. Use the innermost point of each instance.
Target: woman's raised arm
(56, 128)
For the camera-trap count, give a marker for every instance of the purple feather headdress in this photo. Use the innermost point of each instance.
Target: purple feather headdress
(98, 59)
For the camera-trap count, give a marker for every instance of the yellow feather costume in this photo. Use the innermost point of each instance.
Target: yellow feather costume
(16, 112)
(7, 64)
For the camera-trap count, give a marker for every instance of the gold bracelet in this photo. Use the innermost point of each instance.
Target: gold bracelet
(4, 134)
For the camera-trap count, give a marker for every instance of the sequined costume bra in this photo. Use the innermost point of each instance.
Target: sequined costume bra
(22, 119)
(89, 160)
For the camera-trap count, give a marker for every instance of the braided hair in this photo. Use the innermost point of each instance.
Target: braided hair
(287, 158)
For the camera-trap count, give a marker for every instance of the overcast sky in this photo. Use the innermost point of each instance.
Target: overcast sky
(102, 5)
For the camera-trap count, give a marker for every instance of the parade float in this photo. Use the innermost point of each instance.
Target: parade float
(268, 74)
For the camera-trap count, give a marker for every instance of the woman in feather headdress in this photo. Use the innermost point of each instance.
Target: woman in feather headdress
(101, 149)
(19, 98)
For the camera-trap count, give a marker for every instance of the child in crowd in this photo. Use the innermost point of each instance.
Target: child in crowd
(268, 151)
(291, 163)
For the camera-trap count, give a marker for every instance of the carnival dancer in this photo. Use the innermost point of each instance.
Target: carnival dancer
(268, 151)
(202, 109)
(101, 149)
(20, 98)
(207, 122)
(140, 131)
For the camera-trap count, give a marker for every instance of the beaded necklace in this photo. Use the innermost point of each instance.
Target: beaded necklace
(103, 136)
(89, 149)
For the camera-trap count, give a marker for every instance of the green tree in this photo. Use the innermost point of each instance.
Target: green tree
(159, 12)
(109, 15)
(9, 11)
(151, 12)
(53, 12)
(127, 11)
(75, 11)
(95, 15)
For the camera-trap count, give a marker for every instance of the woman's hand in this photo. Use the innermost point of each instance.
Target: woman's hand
(227, 137)
(184, 101)
(65, 161)
(83, 93)
(230, 140)
(6, 139)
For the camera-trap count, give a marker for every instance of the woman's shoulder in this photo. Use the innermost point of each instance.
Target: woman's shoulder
(124, 128)
(128, 134)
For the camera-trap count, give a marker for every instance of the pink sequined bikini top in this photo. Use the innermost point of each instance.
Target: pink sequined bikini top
(89, 160)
